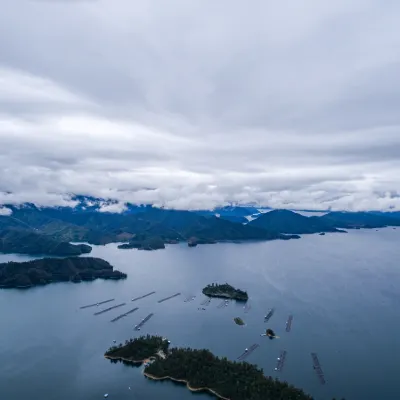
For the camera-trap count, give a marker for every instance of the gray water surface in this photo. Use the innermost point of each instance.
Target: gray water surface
(342, 290)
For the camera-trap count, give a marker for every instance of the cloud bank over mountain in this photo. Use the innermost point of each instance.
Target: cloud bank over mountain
(196, 104)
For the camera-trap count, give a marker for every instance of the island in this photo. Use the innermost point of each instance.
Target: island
(48, 270)
(270, 333)
(144, 242)
(238, 321)
(201, 370)
(225, 291)
(25, 241)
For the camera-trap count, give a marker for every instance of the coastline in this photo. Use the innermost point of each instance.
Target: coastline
(192, 389)
(129, 360)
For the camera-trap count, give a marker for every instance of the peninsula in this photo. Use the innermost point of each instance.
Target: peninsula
(225, 291)
(201, 370)
(48, 270)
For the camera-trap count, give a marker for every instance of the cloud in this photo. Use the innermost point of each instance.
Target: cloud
(5, 211)
(200, 103)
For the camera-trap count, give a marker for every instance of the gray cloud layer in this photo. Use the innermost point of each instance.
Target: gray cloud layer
(192, 104)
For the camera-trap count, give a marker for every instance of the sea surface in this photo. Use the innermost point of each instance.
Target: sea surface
(342, 289)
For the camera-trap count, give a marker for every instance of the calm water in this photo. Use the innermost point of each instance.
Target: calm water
(341, 288)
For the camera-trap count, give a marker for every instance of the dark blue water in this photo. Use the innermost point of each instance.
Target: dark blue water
(341, 288)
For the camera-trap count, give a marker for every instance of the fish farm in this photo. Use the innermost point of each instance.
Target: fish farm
(269, 314)
(125, 314)
(109, 309)
(168, 298)
(247, 307)
(96, 304)
(223, 304)
(317, 368)
(206, 302)
(281, 361)
(142, 322)
(142, 297)
(289, 323)
(248, 351)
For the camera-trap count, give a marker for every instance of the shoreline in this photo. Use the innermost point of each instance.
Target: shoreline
(128, 359)
(192, 389)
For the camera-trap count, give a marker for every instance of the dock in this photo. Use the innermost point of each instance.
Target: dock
(269, 314)
(125, 314)
(206, 302)
(248, 352)
(289, 323)
(223, 304)
(247, 307)
(142, 297)
(142, 322)
(96, 304)
(281, 361)
(168, 298)
(109, 309)
(317, 368)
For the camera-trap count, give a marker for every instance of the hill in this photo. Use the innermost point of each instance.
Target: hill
(351, 220)
(48, 270)
(26, 241)
(285, 221)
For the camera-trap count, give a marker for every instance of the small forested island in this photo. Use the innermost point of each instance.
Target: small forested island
(270, 333)
(238, 321)
(47, 270)
(144, 242)
(139, 349)
(225, 291)
(201, 370)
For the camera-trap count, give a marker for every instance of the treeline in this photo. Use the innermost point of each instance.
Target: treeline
(233, 380)
(47, 270)
(225, 290)
(139, 348)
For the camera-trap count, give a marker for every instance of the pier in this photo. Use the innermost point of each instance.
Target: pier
(167, 298)
(289, 323)
(109, 309)
(206, 302)
(125, 314)
(189, 299)
(248, 352)
(142, 297)
(317, 368)
(223, 304)
(281, 361)
(269, 314)
(142, 322)
(96, 304)
(247, 307)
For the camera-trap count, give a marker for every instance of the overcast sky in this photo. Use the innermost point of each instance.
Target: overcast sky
(190, 104)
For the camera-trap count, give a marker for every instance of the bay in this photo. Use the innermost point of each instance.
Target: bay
(342, 290)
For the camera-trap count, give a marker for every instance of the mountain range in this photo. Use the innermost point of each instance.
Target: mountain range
(49, 230)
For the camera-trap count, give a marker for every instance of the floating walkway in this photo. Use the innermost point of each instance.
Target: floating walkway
(170, 297)
(109, 309)
(289, 323)
(223, 304)
(281, 361)
(125, 314)
(247, 307)
(248, 351)
(206, 302)
(96, 304)
(269, 314)
(317, 368)
(142, 297)
(142, 322)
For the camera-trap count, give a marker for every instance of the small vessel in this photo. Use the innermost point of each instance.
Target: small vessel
(270, 313)
(106, 395)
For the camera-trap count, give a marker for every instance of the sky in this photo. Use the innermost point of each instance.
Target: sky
(194, 104)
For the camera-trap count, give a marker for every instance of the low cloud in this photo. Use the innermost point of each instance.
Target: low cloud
(199, 104)
(5, 211)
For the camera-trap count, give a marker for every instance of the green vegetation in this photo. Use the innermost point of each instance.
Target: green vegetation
(47, 270)
(270, 333)
(236, 381)
(138, 349)
(143, 242)
(238, 321)
(25, 241)
(225, 291)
